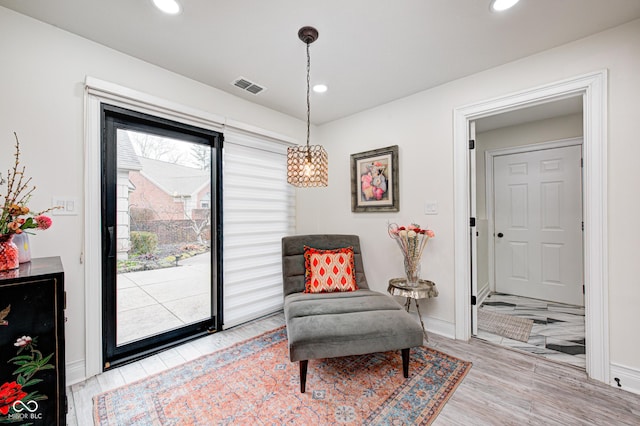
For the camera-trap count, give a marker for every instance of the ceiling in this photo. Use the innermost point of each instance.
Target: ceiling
(369, 52)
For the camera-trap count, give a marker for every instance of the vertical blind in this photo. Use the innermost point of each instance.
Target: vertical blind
(258, 210)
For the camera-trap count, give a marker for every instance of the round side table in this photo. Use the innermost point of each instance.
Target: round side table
(424, 289)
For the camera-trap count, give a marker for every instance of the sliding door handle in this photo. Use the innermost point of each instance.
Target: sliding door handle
(112, 243)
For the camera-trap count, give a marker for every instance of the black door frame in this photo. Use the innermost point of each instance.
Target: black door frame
(114, 118)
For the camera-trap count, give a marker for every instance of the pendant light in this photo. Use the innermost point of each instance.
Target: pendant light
(307, 165)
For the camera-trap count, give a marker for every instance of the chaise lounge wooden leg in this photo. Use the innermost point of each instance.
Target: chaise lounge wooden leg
(405, 362)
(303, 374)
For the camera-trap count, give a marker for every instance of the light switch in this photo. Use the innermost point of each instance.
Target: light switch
(431, 207)
(67, 206)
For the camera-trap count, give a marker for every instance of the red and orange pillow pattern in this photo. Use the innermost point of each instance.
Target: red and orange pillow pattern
(328, 271)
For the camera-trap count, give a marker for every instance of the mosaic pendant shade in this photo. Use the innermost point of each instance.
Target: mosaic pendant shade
(307, 166)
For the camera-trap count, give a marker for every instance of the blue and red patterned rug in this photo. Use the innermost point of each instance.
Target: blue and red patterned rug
(253, 383)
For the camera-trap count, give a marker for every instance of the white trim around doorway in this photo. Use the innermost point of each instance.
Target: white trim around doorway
(593, 89)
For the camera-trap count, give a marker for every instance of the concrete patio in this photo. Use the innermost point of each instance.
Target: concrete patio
(151, 302)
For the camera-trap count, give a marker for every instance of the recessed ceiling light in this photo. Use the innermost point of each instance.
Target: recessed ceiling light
(320, 88)
(167, 6)
(500, 5)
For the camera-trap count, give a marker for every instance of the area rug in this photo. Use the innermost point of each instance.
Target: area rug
(512, 327)
(254, 383)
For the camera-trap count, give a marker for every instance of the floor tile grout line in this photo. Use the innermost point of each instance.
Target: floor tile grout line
(510, 304)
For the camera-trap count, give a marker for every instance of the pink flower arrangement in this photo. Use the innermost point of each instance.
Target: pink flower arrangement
(412, 240)
(15, 216)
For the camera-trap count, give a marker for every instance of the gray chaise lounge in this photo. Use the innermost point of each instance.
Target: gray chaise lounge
(339, 324)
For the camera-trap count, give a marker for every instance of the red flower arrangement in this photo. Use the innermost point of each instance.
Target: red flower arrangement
(15, 216)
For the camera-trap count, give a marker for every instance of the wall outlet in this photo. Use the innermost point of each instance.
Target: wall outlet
(431, 207)
(66, 206)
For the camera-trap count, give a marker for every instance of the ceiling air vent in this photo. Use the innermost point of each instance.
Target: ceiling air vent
(248, 85)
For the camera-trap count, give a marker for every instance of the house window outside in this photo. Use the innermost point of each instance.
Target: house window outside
(205, 201)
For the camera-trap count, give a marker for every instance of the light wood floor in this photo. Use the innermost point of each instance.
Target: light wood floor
(504, 387)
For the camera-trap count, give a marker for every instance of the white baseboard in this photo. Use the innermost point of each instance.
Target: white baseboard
(628, 378)
(435, 325)
(75, 372)
(440, 327)
(483, 292)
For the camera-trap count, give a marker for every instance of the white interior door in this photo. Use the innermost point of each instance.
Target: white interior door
(538, 224)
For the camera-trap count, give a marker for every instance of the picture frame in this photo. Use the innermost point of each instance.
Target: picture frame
(374, 181)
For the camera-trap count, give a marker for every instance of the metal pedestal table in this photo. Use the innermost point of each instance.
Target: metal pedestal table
(423, 289)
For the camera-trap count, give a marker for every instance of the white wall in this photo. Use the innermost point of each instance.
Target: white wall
(41, 98)
(422, 126)
(42, 76)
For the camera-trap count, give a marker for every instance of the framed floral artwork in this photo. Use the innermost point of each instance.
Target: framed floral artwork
(374, 180)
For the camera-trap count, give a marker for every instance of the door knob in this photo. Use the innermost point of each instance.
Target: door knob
(500, 235)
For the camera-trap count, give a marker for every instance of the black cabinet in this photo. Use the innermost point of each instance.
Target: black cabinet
(32, 380)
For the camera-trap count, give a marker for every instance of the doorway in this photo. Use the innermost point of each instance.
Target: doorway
(593, 90)
(532, 293)
(160, 210)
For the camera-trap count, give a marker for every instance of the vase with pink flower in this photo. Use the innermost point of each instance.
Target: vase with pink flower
(15, 217)
(411, 240)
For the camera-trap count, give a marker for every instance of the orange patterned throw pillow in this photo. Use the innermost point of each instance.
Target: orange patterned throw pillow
(328, 271)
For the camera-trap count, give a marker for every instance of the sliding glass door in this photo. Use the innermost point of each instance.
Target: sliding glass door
(161, 244)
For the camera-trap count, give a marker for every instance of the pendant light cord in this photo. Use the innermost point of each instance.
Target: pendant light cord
(308, 101)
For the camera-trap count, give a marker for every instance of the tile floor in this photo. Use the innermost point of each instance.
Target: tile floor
(558, 331)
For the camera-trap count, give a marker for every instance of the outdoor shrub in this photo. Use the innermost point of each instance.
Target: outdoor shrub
(143, 242)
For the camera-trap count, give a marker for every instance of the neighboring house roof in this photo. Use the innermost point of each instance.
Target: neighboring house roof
(127, 157)
(174, 179)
